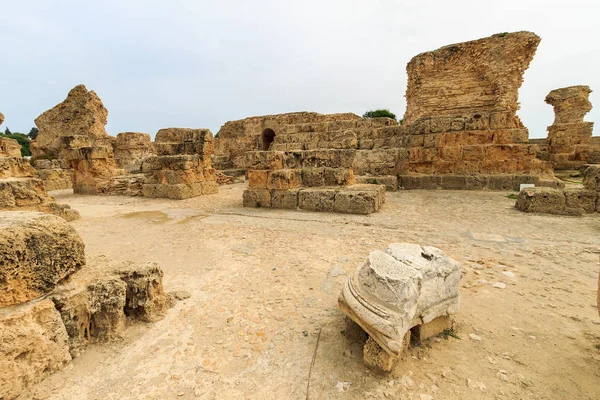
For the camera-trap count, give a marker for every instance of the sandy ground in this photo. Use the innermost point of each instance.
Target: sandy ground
(264, 286)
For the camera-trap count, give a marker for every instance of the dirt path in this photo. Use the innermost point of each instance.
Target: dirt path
(264, 283)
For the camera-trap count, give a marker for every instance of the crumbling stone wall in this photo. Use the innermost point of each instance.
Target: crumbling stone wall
(182, 168)
(237, 137)
(80, 114)
(131, 148)
(461, 109)
(569, 143)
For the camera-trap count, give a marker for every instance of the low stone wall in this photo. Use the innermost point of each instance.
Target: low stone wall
(55, 174)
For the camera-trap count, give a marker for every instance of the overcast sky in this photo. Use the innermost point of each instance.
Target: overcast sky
(159, 64)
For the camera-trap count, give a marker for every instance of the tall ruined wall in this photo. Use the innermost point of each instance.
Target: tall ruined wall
(570, 143)
(237, 137)
(477, 77)
(80, 114)
(461, 108)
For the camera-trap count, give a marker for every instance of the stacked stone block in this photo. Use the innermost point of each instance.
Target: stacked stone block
(131, 148)
(569, 140)
(312, 180)
(94, 169)
(182, 168)
(54, 173)
(569, 201)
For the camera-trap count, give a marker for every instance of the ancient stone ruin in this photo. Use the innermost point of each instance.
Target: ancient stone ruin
(401, 291)
(21, 190)
(570, 142)
(80, 114)
(94, 169)
(570, 201)
(182, 168)
(131, 148)
(461, 116)
(52, 304)
(312, 180)
(55, 174)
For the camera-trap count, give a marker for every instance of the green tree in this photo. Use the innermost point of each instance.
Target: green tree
(379, 114)
(7, 131)
(33, 133)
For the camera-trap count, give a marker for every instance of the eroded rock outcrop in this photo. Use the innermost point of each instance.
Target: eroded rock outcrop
(33, 344)
(52, 304)
(461, 109)
(569, 139)
(397, 289)
(19, 190)
(38, 252)
(131, 148)
(9, 147)
(80, 114)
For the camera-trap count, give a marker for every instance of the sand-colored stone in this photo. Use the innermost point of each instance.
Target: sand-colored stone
(55, 174)
(462, 101)
(39, 251)
(591, 177)
(94, 169)
(1, 118)
(569, 144)
(81, 113)
(33, 345)
(235, 138)
(15, 167)
(9, 147)
(131, 148)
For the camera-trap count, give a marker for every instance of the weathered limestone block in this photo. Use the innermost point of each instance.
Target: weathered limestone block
(33, 345)
(591, 177)
(81, 113)
(379, 162)
(359, 199)
(131, 148)
(39, 251)
(96, 301)
(1, 118)
(399, 288)
(285, 199)
(177, 141)
(54, 173)
(9, 147)
(317, 199)
(20, 194)
(580, 199)
(570, 104)
(569, 137)
(13, 167)
(257, 198)
(94, 169)
(541, 200)
(389, 181)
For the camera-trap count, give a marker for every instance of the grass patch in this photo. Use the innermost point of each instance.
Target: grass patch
(512, 196)
(449, 333)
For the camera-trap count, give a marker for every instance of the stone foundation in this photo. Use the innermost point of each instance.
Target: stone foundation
(131, 148)
(94, 169)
